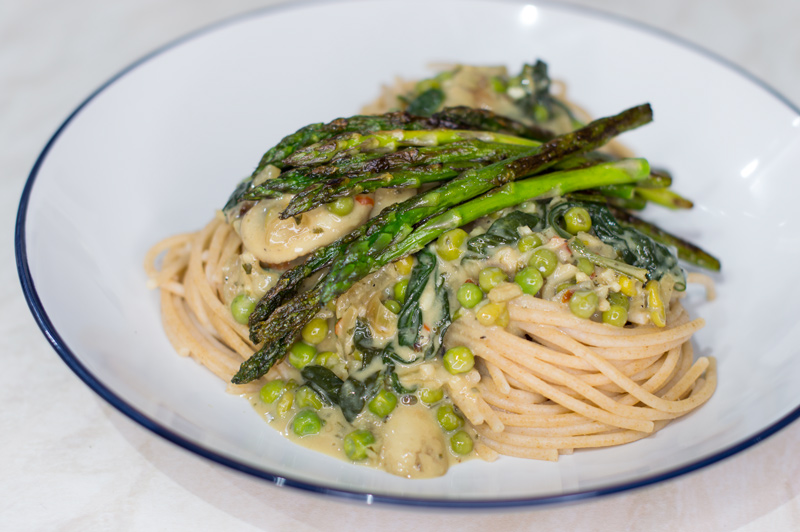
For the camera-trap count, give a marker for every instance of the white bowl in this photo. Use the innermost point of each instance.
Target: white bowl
(159, 147)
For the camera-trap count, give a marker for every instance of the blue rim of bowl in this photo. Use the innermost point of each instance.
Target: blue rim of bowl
(72, 361)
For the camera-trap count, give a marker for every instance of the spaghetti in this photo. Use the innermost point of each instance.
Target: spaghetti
(541, 326)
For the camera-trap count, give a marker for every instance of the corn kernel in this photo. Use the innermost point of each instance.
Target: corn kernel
(627, 285)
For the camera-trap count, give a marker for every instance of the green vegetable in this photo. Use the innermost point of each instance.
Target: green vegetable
(459, 360)
(503, 232)
(533, 86)
(328, 359)
(577, 219)
(306, 396)
(448, 246)
(323, 381)
(241, 308)
(583, 303)
(392, 305)
(400, 289)
(301, 355)
(544, 260)
(342, 206)
(367, 248)
(426, 103)
(585, 265)
(530, 280)
(633, 247)
(529, 242)
(686, 250)
(284, 404)
(356, 444)
(431, 396)
(616, 315)
(461, 443)
(315, 331)
(383, 403)
(272, 390)
(447, 417)
(409, 321)
(469, 295)
(306, 423)
(491, 277)
(619, 299)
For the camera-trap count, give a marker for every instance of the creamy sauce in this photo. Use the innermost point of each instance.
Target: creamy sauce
(409, 443)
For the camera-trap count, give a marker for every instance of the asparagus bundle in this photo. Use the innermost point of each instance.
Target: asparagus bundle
(408, 226)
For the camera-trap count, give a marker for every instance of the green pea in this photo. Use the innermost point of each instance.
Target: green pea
(341, 206)
(461, 442)
(306, 423)
(383, 403)
(315, 331)
(301, 354)
(392, 305)
(585, 265)
(544, 260)
(272, 390)
(356, 443)
(400, 289)
(305, 396)
(241, 308)
(448, 419)
(583, 303)
(529, 242)
(430, 396)
(448, 246)
(459, 360)
(530, 280)
(616, 315)
(577, 219)
(490, 277)
(469, 295)
(329, 359)
(619, 299)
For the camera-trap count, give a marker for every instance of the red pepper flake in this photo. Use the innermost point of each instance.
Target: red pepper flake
(427, 329)
(567, 295)
(365, 200)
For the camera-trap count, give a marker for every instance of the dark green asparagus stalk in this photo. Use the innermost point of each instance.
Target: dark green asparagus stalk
(292, 316)
(307, 179)
(359, 261)
(462, 117)
(314, 133)
(289, 282)
(361, 257)
(429, 165)
(665, 197)
(686, 250)
(540, 187)
(347, 143)
(448, 118)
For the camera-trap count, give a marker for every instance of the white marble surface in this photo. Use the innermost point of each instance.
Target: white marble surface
(71, 462)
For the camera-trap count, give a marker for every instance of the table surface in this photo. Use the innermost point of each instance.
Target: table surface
(72, 462)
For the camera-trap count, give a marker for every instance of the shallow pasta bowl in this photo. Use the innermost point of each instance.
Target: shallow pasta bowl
(159, 147)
